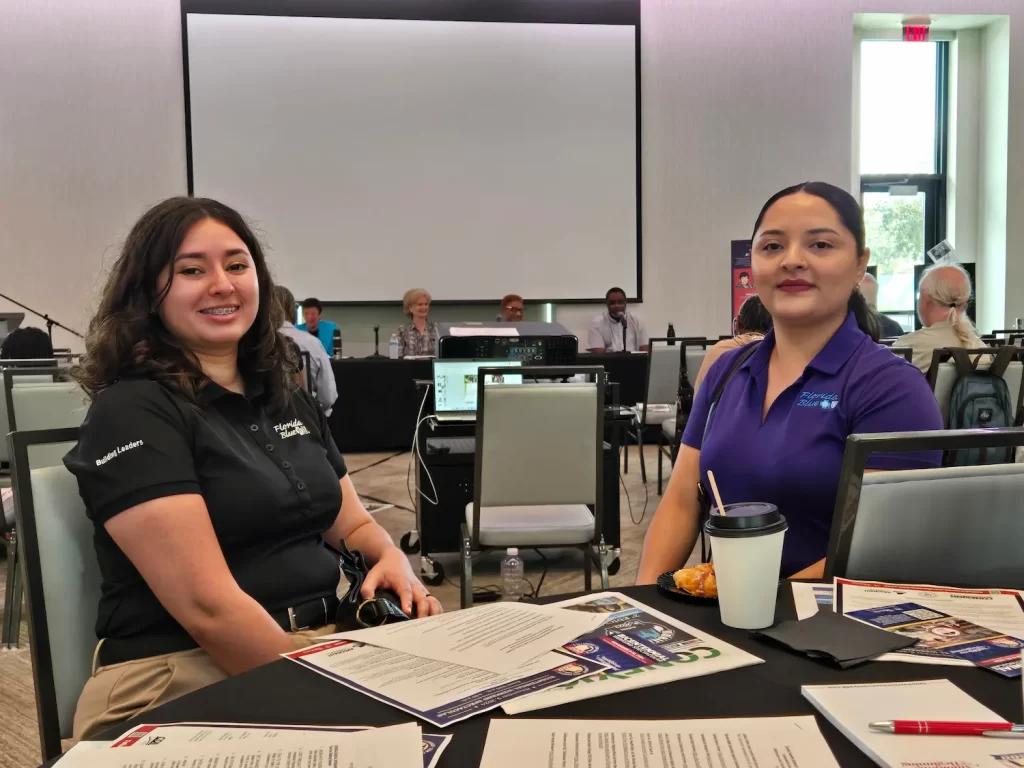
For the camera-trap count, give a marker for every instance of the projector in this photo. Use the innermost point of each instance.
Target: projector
(532, 344)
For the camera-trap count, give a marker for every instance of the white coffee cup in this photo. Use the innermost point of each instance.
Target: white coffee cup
(746, 545)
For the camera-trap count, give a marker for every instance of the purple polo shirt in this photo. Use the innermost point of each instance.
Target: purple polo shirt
(794, 458)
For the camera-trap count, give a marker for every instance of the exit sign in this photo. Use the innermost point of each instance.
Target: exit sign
(915, 33)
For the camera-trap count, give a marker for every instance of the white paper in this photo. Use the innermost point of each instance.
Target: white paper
(174, 735)
(668, 650)
(498, 638)
(808, 597)
(657, 743)
(435, 691)
(992, 608)
(500, 330)
(850, 708)
(399, 746)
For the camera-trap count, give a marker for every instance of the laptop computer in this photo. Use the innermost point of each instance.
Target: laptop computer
(455, 386)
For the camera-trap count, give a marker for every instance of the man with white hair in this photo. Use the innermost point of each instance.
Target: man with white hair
(944, 292)
(869, 288)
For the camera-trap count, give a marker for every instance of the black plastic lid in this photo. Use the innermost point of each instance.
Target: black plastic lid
(745, 519)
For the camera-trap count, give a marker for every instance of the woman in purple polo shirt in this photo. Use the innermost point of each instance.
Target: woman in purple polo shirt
(779, 430)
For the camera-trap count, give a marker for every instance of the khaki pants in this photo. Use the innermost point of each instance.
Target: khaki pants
(119, 691)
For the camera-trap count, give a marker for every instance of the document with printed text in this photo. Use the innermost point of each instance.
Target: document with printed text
(436, 691)
(497, 638)
(792, 742)
(640, 647)
(955, 627)
(398, 746)
(173, 735)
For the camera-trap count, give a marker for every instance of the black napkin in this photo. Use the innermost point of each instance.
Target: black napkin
(835, 638)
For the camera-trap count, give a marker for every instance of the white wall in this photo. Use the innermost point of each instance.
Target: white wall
(91, 134)
(965, 105)
(996, 289)
(739, 100)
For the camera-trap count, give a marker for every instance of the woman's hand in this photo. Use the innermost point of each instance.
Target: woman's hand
(393, 572)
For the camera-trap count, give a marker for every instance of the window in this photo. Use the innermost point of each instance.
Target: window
(902, 159)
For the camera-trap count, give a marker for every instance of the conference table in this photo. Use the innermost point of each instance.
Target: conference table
(284, 692)
(378, 399)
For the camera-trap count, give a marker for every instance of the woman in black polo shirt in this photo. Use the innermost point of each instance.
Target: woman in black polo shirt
(212, 480)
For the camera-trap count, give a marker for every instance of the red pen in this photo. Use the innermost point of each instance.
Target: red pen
(948, 728)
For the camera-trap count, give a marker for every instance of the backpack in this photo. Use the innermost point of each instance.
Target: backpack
(980, 399)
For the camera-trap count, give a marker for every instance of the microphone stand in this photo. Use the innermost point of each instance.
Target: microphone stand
(623, 321)
(376, 342)
(50, 322)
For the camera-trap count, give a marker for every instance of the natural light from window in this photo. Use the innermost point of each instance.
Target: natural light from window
(897, 107)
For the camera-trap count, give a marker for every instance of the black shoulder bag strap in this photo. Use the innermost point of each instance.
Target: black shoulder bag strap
(703, 499)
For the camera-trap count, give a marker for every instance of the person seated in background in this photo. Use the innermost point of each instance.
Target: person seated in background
(511, 309)
(27, 344)
(315, 325)
(211, 479)
(751, 324)
(890, 329)
(320, 371)
(788, 402)
(944, 293)
(418, 337)
(608, 329)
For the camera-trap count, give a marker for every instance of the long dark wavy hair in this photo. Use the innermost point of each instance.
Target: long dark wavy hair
(126, 336)
(852, 215)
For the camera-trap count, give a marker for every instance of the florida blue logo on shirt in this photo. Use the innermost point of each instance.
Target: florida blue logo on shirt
(826, 401)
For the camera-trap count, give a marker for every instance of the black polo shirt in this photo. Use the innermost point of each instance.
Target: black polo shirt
(270, 482)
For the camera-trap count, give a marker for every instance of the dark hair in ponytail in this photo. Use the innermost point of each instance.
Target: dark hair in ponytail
(852, 216)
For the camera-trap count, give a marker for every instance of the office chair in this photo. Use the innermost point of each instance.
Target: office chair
(664, 362)
(63, 582)
(950, 526)
(538, 468)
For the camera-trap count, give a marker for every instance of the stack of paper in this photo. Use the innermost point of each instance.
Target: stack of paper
(517, 656)
(640, 647)
(851, 708)
(956, 627)
(213, 746)
(448, 668)
(794, 742)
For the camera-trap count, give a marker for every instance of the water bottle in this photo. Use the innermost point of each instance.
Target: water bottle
(512, 580)
(671, 334)
(337, 344)
(393, 347)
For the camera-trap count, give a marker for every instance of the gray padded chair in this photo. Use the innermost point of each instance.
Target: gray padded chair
(942, 375)
(20, 374)
(952, 526)
(538, 469)
(63, 580)
(662, 389)
(35, 405)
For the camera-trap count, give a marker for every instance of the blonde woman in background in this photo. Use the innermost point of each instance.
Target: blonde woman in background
(945, 291)
(418, 337)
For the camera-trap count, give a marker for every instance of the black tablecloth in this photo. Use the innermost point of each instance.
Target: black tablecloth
(283, 692)
(378, 398)
(377, 403)
(629, 371)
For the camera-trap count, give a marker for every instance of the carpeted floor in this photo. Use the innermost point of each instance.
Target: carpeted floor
(19, 740)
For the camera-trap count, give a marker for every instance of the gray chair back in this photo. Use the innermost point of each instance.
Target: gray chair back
(662, 374)
(54, 405)
(904, 352)
(694, 358)
(953, 526)
(540, 443)
(20, 374)
(62, 582)
(944, 376)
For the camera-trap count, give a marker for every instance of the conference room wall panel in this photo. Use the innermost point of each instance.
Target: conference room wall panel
(738, 100)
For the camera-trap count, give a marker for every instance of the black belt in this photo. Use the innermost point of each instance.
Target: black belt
(312, 614)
